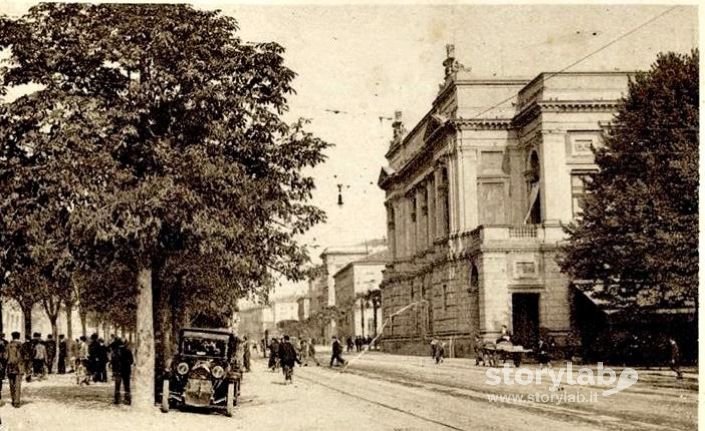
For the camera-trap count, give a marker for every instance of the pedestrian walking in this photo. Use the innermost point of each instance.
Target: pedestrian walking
(273, 354)
(288, 358)
(350, 344)
(94, 357)
(3, 361)
(434, 344)
(336, 352)
(479, 351)
(121, 361)
(74, 351)
(312, 351)
(51, 353)
(543, 354)
(40, 357)
(62, 355)
(15, 367)
(440, 352)
(102, 361)
(83, 370)
(246, 354)
(28, 356)
(675, 358)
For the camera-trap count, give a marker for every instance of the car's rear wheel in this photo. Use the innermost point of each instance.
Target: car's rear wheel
(165, 396)
(230, 400)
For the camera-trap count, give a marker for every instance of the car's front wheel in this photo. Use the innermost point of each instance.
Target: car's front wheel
(230, 400)
(165, 396)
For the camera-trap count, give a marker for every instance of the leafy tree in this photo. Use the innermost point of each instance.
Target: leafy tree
(638, 235)
(163, 133)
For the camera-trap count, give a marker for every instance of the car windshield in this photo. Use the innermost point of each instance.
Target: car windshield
(200, 346)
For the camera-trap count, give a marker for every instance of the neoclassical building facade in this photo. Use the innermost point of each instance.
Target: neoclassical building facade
(476, 196)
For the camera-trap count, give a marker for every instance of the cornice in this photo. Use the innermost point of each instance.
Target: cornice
(484, 124)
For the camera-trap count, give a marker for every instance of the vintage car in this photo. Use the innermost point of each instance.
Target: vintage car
(204, 373)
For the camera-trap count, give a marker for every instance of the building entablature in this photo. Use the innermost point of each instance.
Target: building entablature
(533, 110)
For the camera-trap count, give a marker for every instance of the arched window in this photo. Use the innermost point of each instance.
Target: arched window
(533, 178)
(474, 278)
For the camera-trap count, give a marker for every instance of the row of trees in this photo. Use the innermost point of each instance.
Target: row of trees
(149, 177)
(638, 236)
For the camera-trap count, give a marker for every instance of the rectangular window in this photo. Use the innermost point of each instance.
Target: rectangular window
(578, 192)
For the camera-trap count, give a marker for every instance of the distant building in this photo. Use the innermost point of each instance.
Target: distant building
(13, 320)
(357, 295)
(322, 284)
(476, 195)
(256, 321)
(304, 307)
(285, 309)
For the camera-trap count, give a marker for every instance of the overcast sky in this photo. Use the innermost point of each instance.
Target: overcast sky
(365, 62)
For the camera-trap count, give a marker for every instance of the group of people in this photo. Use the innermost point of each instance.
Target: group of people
(358, 343)
(304, 349)
(32, 359)
(91, 360)
(35, 358)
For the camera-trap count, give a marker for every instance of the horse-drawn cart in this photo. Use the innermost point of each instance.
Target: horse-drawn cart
(493, 353)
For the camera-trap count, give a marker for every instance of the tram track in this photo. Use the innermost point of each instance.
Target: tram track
(589, 418)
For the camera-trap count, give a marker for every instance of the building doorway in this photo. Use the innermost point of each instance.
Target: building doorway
(525, 318)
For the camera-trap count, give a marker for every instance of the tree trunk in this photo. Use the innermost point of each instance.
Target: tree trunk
(165, 321)
(27, 313)
(69, 322)
(143, 389)
(55, 336)
(180, 315)
(2, 327)
(82, 315)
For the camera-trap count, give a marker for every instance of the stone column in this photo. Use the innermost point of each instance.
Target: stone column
(431, 220)
(452, 195)
(420, 218)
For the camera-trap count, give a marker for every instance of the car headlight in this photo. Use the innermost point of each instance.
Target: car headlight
(218, 372)
(182, 368)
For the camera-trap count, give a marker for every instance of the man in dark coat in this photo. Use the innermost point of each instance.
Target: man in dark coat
(336, 351)
(51, 352)
(273, 353)
(3, 360)
(62, 355)
(15, 366)
(94, 357)
(287, 358)
(121, 362)
(28, 356)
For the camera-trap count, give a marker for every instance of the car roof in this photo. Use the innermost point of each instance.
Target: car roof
(213, 331)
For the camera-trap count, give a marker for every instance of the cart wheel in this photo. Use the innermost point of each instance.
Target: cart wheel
(230, 400)
(165, 396)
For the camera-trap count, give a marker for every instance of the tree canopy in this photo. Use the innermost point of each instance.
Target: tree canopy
(155, 144)
(638, 236)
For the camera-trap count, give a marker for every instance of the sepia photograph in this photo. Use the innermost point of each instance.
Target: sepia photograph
(384, 215)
